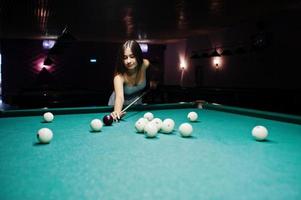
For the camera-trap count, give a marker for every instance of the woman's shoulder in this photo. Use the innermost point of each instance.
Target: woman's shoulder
(119, 77)
(145, 63)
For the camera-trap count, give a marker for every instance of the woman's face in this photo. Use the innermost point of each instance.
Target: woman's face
(129, 59)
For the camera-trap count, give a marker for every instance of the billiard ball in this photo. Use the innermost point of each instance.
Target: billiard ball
(158, 123)
(44, 135)
(143, 119)
(167, 125)
(149, 116)
(192, 116)
(260, 133)
(107, 120)
(185, 129)
(96, 125)
(140, 124)
(48, 117)
(151, 130)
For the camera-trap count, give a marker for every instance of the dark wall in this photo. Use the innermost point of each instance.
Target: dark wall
(265, 75)
(270, 64)
(21, 59)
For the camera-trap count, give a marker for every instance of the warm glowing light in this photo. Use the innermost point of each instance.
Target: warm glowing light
(183, 63)
(41, 12)
(38, 65)
(217, 62)
(41, 66)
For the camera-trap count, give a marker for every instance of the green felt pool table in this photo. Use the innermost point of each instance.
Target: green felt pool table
(220, 161)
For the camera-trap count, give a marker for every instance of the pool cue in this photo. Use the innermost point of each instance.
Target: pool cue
(144, 93)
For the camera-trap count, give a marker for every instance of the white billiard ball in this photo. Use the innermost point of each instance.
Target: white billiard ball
(48, 117)
(185, 129)
(44, 135)
(167, 125)
(96, 125)
(140, 124)
(149, 116)
(143, 120)
(260, 133)
(158, 123)
(151, 130)
(192, 116)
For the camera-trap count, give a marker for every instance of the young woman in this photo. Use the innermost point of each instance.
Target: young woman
(130, 77)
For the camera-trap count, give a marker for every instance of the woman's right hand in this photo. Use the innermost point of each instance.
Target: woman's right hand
(117, 115)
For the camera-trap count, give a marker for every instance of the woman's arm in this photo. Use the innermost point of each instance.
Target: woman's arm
(119, 97)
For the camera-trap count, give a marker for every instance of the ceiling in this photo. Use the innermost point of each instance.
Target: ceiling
(114, 20)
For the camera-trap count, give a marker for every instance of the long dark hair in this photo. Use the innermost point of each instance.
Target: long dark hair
(137, 52)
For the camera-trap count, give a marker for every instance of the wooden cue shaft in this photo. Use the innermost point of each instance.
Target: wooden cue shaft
(134, 101)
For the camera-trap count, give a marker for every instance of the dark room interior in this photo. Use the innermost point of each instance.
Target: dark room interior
(256, 42)
(150, 100)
